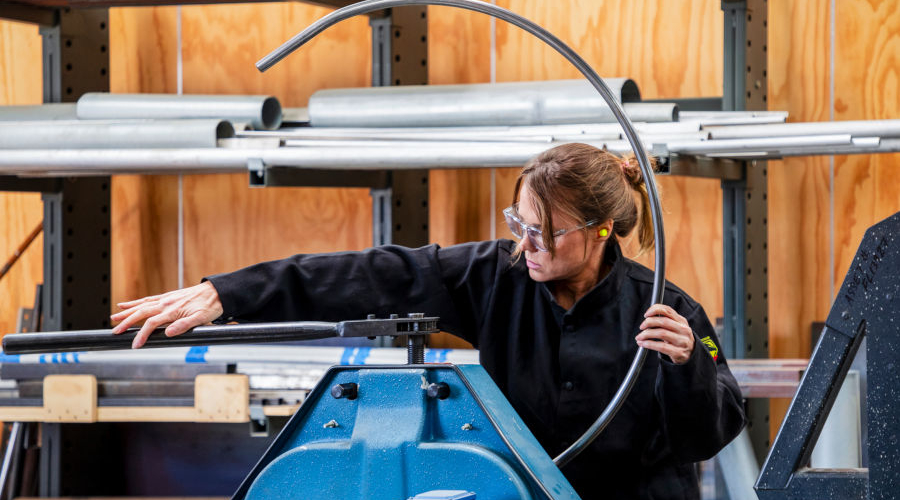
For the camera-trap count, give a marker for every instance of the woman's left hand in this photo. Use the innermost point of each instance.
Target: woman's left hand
(667, 332)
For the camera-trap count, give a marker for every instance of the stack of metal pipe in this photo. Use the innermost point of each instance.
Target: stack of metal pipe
(446, 126)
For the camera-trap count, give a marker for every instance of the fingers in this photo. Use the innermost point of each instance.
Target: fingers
(657, 334)
(676, 354)
(184, 324)
(664, 310)
(667, 332)
(132, 303)
(134, 318)
(665, 323)
(151, 324)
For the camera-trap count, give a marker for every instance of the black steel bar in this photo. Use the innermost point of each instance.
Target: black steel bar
(251, 333)
(103, 340)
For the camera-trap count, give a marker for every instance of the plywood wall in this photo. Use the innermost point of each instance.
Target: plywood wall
(20, 213)
(673, 49)
(144, 239)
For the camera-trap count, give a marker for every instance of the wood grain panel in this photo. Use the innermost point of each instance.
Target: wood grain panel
(222, 43)
(459, 51)
(867, 86)
(143, 58)
(20, 83)
(672, 49)
(20, 71)
(799, 188)
(19, 214)
(635, 39)
(227, 224)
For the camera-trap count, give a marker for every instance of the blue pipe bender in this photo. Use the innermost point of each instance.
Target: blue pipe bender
(423, 431)
(434, 431)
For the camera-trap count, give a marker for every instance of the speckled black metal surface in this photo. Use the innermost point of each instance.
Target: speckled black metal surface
(868, 304)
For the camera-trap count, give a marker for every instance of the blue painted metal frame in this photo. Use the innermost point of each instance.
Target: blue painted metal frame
(393, 442)
(867, 304)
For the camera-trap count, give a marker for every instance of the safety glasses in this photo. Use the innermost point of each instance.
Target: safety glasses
(535, 236)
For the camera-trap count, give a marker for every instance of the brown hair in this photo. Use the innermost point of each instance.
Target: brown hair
(586, 183)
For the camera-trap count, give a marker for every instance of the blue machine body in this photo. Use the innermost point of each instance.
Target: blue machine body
(393, 441)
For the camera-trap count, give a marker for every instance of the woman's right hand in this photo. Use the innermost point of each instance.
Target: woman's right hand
(180, 309)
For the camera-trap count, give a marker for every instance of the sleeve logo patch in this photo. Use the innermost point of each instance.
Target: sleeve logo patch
(711, 347)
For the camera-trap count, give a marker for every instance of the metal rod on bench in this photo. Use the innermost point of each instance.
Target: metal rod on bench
(250, 333)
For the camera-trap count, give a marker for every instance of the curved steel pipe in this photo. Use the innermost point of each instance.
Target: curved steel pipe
(655, 211)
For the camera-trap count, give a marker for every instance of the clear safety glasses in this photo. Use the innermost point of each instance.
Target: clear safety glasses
(535, 236)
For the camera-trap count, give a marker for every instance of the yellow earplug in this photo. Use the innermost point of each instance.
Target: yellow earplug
(603, 233)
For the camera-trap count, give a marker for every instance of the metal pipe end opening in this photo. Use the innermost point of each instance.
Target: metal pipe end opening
(630, 91)
(224, 130)
(271, 113)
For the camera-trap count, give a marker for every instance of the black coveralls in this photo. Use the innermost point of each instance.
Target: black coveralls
(558, 368)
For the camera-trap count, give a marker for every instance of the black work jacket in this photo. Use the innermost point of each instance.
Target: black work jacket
(559, 368)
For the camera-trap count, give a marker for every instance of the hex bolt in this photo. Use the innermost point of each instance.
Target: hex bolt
(348, 390)
(331, 424)
(845, 315)
(438, 390)
(467, 427)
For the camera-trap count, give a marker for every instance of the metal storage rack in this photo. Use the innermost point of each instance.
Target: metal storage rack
(76, 210)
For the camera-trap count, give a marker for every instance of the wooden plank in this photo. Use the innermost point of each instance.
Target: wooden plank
(280, 410)
(222, 398)
(73, 398)
(20, 83)
(70, 398)
(144, 253)
(145, 414)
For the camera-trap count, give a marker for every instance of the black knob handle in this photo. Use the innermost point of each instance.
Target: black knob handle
(438, 390)
(349, 391)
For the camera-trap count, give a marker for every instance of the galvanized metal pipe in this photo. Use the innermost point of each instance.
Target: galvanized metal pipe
(856, 128)
(739, 467)
(510, 103)
(137, 134)
(51, 111)
(492, 131)
(758, 144)
(262, 112)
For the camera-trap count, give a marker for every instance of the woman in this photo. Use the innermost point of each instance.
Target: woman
(557, 318)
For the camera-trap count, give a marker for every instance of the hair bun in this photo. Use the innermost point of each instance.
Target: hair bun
(632, 171)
